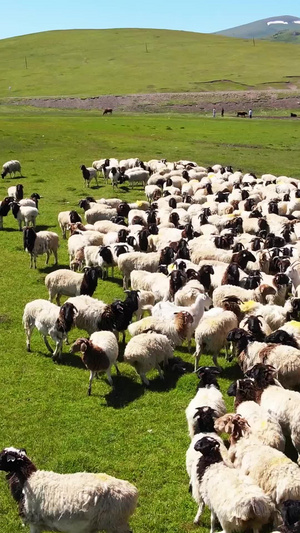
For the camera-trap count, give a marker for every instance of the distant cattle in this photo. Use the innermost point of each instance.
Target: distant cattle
(241, 114)
(293, 115)
(107, 111)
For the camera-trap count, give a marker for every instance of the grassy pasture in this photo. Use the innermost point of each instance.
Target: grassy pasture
(93, 62)
(130, 432)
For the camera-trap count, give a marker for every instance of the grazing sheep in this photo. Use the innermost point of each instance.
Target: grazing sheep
(82, 502)
(208, 394)
(146, 351)
(11, 167)
(50, 320)
(232, 497)
(70, 283)
(42, 242)
(24, 214)
(98, 354)
(88, 174)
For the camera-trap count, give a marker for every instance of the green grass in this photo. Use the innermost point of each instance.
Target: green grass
(93, 62)
(135, 433)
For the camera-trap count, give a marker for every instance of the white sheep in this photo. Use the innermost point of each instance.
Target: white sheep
(167, 310)
(69, 283)
(16, 192)
(211, 334)
(208, 394)
(98, 212)
(88, 174)
(176, 329)
(11, 167)
(137, 176)
(260, 294)
(50, 320)
(232, 497)
(42, 242)
(82, 502)
(99, 353)
(137, 261)
(89, 312)
(146, 351)
(24, 214)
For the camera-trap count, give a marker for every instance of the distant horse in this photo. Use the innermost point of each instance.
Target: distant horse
(241, 114)
(293, 115)
(107, 111)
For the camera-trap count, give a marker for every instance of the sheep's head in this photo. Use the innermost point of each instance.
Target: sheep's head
(207, 446)
(80, 345)
(12, 459)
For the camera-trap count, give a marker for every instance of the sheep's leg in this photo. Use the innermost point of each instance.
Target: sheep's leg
(197, 356)
(123, 338)
(47, 344)
(57, 299)
(161, 374)
(28, 331)
(92, 375)
(143, 378)
(47, 258)
(215, 360)
(296, 443)
(213, 519)
(117, 369)
(34, 261)
(109, 378)
(58, 349)
(55, 256)
(35, 529)
(199, 513)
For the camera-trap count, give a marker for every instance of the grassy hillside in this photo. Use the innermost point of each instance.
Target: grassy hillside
(92, 62)
(259, 29)
(134, 433)
(287, 36)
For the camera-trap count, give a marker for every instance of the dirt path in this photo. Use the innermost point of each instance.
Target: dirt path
(232, 101)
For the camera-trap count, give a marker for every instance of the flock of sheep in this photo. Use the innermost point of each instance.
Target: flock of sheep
(213, 255)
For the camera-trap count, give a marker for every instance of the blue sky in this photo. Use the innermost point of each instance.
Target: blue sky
(19, 17)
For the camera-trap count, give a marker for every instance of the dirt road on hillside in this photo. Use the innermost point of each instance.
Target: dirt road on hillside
(203, 102)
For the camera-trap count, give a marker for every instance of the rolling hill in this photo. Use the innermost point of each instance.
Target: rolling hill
(264, 28)
(130, 61)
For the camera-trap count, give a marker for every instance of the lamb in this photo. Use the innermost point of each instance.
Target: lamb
(16, 191)
(42, 242)
(81, 502)
(50, 320)
(88, 174)
(11, 167)
(98, 354)
(89, 312)
(208, 394)
(274, 473)
(70, 283)
(238, 503)
(24, 214)
(137, 261)
(176, 329)
(211, 334)
(146, 351)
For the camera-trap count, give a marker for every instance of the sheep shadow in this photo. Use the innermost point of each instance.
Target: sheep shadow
(124, 188)
(44, 228)
(232, 373)
(19, 177)
(50, 268)
(69, 359)
(175, 369)
(124, 391)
